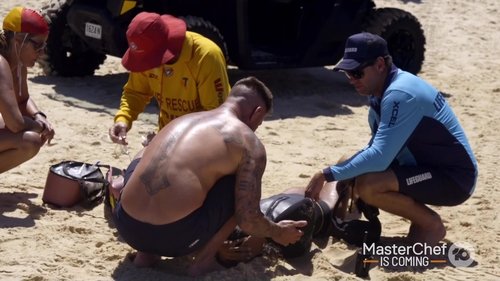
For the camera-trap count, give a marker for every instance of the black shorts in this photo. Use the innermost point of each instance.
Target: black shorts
(434, 186)
(186, 235)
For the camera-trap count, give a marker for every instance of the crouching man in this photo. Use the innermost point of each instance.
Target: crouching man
(198, 179)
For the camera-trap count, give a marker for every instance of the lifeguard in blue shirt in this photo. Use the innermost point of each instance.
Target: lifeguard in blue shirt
(418, 155)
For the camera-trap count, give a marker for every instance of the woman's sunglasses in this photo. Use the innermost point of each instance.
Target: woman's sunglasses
(38, 46)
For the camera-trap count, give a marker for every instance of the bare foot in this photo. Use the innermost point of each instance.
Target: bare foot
(141, 259)
(431, 234)
(199, 268)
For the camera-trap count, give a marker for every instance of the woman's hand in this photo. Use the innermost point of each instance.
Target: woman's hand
(47, 132)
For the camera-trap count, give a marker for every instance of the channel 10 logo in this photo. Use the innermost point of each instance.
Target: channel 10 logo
(461, 254)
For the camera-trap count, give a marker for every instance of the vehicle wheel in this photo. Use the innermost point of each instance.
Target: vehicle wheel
(67, 55)
(403, 33)
(207, 29)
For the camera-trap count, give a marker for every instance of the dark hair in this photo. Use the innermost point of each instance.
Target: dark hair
(256, 85)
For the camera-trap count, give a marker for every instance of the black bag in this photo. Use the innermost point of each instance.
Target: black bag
(71, 182)
(357, 232)
(292, 207)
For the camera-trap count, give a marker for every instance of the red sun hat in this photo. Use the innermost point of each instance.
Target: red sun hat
(153, 40)
(25, 20)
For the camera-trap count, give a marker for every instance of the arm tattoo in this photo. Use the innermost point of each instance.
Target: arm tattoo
(229, 136)
(232, 139)
(248, 192)
(154, 177)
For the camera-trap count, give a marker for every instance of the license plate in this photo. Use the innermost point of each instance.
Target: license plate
(93, 30)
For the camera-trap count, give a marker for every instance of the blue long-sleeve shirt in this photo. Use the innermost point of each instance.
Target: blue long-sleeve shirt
(412, 125)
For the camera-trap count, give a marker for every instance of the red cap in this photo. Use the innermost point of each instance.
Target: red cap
(25, 20)
(153, 40)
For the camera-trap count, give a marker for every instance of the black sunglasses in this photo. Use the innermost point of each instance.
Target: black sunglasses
(38, 46)
(359, 72)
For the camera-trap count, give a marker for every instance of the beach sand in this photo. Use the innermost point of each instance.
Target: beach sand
(318, 118)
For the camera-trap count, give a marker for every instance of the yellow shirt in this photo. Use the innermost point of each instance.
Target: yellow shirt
(197, 81)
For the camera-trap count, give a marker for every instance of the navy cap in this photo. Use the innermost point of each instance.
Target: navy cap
(361, 48)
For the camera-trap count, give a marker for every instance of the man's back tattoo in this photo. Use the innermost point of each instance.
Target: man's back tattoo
(155, 179)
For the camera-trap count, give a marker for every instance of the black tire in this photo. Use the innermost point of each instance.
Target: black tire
(207, 29)
(67, 55)
(403, 33)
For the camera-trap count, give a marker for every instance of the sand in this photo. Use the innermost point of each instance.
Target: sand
(318, 117)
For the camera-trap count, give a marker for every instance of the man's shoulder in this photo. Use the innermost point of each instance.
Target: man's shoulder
(201, 45)
(410, 84)
(402, 78)
(406, 78)
(243, 135)
(196, 39)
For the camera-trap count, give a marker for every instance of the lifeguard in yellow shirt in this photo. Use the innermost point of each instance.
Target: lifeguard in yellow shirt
(183, 70)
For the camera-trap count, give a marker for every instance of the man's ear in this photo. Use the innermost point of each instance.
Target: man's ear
(259, 112)
(381, 66)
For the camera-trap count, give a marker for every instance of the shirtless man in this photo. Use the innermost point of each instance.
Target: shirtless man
(198, 179)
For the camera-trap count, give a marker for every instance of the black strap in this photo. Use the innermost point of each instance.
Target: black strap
(70, 164)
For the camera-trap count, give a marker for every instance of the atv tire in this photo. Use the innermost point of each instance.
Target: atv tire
(207, 29)
(403, 33)
(67, 55)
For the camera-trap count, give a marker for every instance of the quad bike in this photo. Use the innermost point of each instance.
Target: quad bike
(253, 34)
